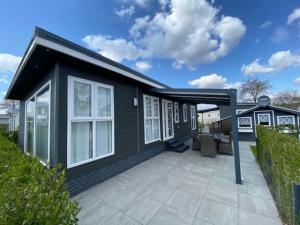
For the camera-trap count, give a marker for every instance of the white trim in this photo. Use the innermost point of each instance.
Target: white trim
(34, 96)
(93, 118)
(244, 117)
(152, 118)
(264, 114)
(165, 137)
(238, 111)
(278, 117)
(184, 109)
(193, 118)
(245, 130)
(176, 112)
(89, 59)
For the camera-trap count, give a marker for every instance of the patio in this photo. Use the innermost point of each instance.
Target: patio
(182, 189)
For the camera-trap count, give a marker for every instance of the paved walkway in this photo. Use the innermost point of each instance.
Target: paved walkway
(182, 189)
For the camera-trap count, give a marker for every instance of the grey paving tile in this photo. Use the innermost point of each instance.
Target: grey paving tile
(170, 216)
(193, 187)
(255, 190)
(221, 195)
(256, 205)
(198, 221)
(217, 213)
(169, 181)
(120, 219)
(142, 209)
(158, 192)
(185, 202)
(247, 218)
(96, 214)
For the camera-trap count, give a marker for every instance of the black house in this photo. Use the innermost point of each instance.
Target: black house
(97, 117)
(265, 114)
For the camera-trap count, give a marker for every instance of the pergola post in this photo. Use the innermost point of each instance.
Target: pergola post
(235, 138)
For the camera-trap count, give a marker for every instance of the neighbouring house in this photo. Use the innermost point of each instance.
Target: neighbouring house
(9, 122)
(208, 116)
(98, 118)
(263, 113)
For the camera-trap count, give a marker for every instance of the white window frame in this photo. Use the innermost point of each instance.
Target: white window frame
(176, 112)
(240, 111)
(152, 118)
(193, 118)
(264, 114)
(93, 118)
(34, 96)
(278, 117)
(184, 109)
(245, 127)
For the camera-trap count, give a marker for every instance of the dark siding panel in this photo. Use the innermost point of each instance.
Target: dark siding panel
(126, 132)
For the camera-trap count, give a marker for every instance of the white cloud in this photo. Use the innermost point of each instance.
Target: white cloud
(297, 81)
(4, 79)
(265, 25)
(279, 35)
(115, 49)
(276, 62)
(163, 3)
(295, 15)
(125, 12)
(213, 81)
(9, 63)
(189, 32)
(143, 65)
(176, 65)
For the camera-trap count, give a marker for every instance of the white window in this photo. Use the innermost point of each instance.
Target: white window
(184, 108)
(91, 121)
(176, 112)
(285, 120)
(151, 119)
(244, 122)
(37, 124)
(264, 119)
(193, 117)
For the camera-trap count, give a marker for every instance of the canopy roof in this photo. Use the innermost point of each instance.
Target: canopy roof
(205, 96)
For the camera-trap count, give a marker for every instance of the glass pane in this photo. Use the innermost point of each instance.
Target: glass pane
(103, 138)
(103, 102)
(170, 119)
(155, 108)
(156, 134)
(29, 126)
(42, 124)
(286, 120)
(148, 130)
(81, 141)
(148, 107)
(82, 99)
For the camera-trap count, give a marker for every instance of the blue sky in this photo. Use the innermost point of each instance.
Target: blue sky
(183, 44)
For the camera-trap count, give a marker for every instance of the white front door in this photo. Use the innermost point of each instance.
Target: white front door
(167, 113)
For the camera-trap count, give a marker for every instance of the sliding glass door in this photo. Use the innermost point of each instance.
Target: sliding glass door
(168, 126)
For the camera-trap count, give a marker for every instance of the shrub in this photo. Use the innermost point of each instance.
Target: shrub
(31, 193)
(279, 157)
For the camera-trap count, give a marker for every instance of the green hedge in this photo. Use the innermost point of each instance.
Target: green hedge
(31, 193)
(279, 157)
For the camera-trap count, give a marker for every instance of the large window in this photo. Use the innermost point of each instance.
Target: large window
(244, 122)
(176, 112)
(151, 119)
(184, 108)
(264, 119)
(37, 124)
(91, 121)
(286, 120)
(193, 117)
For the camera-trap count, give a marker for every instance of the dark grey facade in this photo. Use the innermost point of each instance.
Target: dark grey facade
(130, 148)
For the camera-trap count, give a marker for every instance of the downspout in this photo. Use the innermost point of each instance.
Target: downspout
(233, 102)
